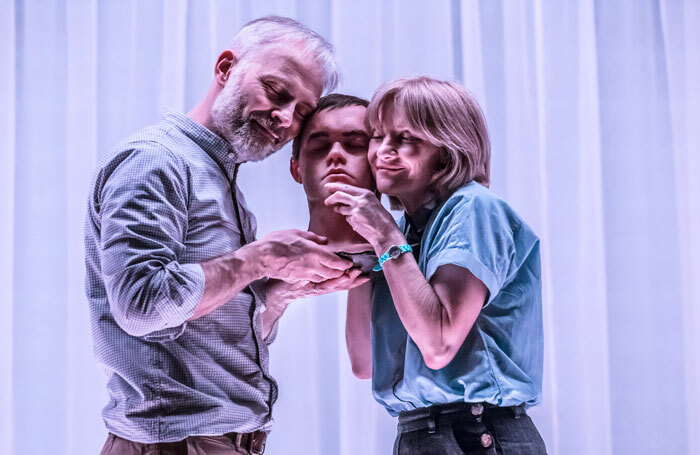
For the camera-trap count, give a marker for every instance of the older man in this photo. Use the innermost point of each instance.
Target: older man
(173, 267)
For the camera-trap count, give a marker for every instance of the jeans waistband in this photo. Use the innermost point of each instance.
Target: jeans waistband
(428, 417)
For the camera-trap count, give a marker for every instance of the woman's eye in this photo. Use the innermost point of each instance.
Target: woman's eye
(377, 137)
(407, 139)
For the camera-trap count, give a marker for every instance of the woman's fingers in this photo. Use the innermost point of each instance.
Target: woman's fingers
(345, 188)
(340, 197)
(343, 210)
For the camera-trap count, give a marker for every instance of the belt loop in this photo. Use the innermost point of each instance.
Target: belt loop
(257, 442)
(432, 420)
(477, 410)
(518, 411)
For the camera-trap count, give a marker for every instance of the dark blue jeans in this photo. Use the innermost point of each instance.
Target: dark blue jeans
(466, 428)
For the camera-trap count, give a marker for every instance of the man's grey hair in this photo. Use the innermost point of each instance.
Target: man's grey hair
(282, 30)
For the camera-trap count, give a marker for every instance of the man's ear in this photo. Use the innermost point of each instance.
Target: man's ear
(294, 170)
(224, 66)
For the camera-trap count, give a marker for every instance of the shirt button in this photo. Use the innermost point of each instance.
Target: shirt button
(486, 440)
(477, 409)
(232, 155)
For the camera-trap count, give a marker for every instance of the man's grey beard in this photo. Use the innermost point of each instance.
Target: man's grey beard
(229, 122)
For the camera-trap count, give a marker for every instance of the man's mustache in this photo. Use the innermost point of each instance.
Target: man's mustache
(267, 123)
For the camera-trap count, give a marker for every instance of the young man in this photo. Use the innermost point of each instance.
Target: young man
(332, 148)
(173, 266)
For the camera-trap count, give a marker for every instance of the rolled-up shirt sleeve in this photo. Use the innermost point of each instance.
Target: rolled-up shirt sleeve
(474, 234)
(143, 217)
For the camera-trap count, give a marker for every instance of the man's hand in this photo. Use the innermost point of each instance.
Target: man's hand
(281, 293)
(285, 255)
(295, 256)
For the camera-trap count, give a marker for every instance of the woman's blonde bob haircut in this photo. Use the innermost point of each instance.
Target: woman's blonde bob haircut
(445, 115)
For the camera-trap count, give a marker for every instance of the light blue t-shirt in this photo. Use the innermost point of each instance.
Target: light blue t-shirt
(500, 361)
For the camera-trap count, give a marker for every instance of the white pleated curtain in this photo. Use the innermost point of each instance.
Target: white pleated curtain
(593, 109)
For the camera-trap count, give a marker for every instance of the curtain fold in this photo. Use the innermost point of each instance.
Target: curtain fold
(84, 387)
(680, 37)
(592, 107)
(8, 52)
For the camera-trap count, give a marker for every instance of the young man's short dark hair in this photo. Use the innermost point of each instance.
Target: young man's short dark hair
(328, 102)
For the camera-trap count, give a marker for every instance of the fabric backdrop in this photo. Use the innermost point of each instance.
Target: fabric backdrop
(594, 113)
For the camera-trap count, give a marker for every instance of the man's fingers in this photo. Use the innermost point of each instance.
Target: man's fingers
(349, 280)
(313, 237)
(327, 273)
(333, 284)
(356, 278)
(359, 281)
(316, 278)
(329, 259)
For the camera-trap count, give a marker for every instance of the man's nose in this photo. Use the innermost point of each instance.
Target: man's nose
(283, 116)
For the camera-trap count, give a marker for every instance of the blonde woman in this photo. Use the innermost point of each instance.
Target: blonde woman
(450, 331)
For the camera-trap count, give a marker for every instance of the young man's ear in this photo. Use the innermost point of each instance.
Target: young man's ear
(224, 66)
(294, 170)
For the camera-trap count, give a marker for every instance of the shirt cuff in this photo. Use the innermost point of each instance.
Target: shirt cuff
(176, 317)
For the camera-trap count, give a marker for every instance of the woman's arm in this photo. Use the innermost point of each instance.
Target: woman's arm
(357, 330)
(438, 314)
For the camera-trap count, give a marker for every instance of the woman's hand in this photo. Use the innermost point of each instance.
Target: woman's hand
(366, 215)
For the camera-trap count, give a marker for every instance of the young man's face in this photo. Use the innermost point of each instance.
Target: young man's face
(333, 149)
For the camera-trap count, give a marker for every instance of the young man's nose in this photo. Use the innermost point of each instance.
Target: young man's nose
(336, 154)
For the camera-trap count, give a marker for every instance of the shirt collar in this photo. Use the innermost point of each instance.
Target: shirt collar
(419, 220)
(216, 147)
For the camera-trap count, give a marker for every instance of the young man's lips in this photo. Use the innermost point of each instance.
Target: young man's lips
(337, 173)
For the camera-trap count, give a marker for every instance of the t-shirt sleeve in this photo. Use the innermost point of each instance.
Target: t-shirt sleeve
(474, 234)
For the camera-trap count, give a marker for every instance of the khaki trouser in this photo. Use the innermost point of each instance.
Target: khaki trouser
(193, 445)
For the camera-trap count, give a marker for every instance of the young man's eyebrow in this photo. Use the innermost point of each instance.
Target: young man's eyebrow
(318, 134)
(355, 133)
